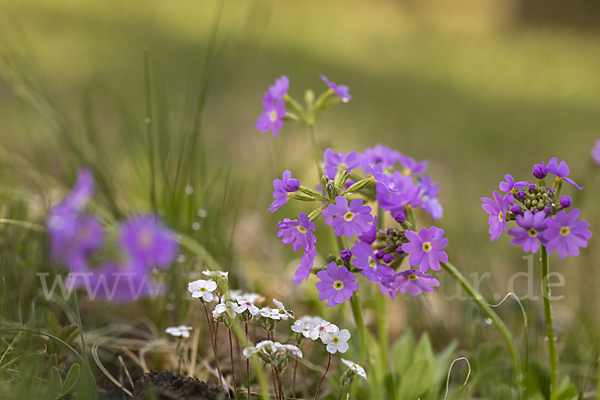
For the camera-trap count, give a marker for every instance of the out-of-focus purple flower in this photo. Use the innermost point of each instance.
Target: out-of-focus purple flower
(510, 185)
(566, 234)
(596, 152)
(336, 284)
(540, 171)
(78, 199)
(496, 209)
(561, 171)
(283, 188)
(516, 209)
(530, 231)
(410, 166)
(404, 193)
(565, 202)
(370, 235)
(426, 248)
(383, 155)
(335, 162)
(340, 90)
(306, 264)
(428, 193)
(350, 220)
(147, 242)
(326, 215)
(298, 233)
(365, 260)
(346, 255)
(272, 116)
(411, 281)
(376, 170)
(280, 88)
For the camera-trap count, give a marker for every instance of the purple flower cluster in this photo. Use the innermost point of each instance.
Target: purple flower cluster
(539, 213)
(273, 113)
(76, 236)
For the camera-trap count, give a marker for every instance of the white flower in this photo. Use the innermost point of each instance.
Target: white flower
(295, 350)
(253, 297)
(228, 307)
(203, 289)
(248, 351)
(247, 305)
(321, 329)
(312, 321)
(356, 368)
(269, 348)
(181, 330)
(282, 309)
(268, 312)
(337, 341)
(305, 324)
(232, 294)
(216, 274)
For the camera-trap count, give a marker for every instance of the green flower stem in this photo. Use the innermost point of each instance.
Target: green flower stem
(360, 323)
(548, 317)
(382, 309)
(315, 144)
(491, 314)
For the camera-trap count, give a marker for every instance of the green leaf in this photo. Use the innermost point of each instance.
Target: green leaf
(51, 321)
(53, 361)
(71, 379)
(417, 381)
(55, 381)
(424, 351)
(402, 353)
(442, 364)
(565, 390)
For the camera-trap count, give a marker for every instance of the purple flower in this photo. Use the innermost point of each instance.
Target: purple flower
(410, 166)
(530, 231)
(425, 248)
(411, 281)
(376, 170)
(404, 192)
(283, 188)
(596, 152)
(561, 171)
(306, 264)
(516, 209)
(335, 162)
(350, 220)
(566, 234)
(496, 209)
(340, 90)
(298, 233)
(280, 88)
(78, 199)
(565, 202)
(540, 171)
(272, 115)
(370, 235)
(510, 185)
(346, 255)
(381, 154)
(427, 196)
(147, 242)
(365, 260)
(336, 285)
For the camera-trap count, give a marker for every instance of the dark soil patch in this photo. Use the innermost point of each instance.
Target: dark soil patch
(167, 386)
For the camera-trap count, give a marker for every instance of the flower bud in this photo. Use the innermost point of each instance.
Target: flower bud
(516, 209)
(346, 255)
(388, 258)
(291, 185)
(521, 195)
(379, 254)
(399, 250)
(548, 210)
(532, 187)
(540, 171)
(399, 217)
(565, 202)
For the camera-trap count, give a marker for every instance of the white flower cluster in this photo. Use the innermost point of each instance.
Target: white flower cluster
(177, 331)
(268, 349)
(360, 371)
(316, 328)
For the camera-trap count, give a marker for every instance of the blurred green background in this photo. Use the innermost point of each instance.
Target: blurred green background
(478, 88)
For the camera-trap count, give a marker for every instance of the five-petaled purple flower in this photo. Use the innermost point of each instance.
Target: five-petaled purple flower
(403, 193)
(411, 281)
(530, 231)
(510, 186)
(147, 242)
(272, 115)
(497, 211)
(410, 166)
(283, 188)
(561, 171)
(381, 154)
(298, 233)
(350, 220)
(336, 284)
(306, 264)
(566, 234)
(365, 260)
(427, 198)
(280, 88)
(340, 90)
(426, 248)
(335, 162)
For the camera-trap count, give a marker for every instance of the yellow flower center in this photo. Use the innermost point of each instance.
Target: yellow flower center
(301, 229)
(532, 232)
(335, 340)
(342, 167)
(338, 285)
(349, 216)
(406, 171)
(203, 289)
(426, 247)
(273, 116)
(500, 216)
(372, 263)
(412, 277)
(564, 230)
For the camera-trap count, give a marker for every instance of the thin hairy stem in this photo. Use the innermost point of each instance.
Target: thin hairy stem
(212, 342)
(232, 364)
(294, 378)
(550, 336)
(323, 378)
(382, 309)
(247, 360)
